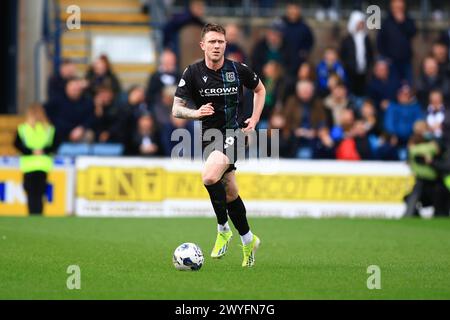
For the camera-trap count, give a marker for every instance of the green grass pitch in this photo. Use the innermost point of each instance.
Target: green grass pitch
(298, 259)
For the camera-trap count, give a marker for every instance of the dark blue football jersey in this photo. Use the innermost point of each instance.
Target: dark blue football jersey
(200, 85)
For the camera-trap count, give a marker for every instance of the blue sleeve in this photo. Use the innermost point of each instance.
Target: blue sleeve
(420, 115)
(389, 125)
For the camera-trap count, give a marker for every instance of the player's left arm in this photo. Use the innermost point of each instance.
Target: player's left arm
(259, 98)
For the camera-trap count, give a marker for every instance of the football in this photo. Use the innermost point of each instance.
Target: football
(188, 256)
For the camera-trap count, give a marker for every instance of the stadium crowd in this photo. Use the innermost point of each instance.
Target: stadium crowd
(360, 102)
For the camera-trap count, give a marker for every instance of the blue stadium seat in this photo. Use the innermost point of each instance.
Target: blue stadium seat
(107, 149)
(74, 149)
(304, 153)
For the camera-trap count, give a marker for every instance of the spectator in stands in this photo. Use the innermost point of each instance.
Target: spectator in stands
(439, 51)
(306, 115)
(394, 40)
(387, 147)
(163, 109)
(297, 35)
(435, 113)
(383, 86)
(430, 79)
(382, 146)
(167, 123)
(362, 141)
(343, 134)
(305, 72)
(370, 119)
(57, 82)
(234, 50)
(129, 115)
(167, 75)
(35, 139)
(444, 38)
(351, 138)
(193, 14)
(401, 115)
(357, 53)
(329, 65)
(324, 146)
(287, 140)
(337, 101)
(101, 74)
(106, 110)
(72, 114)
(271, 77)
(271, 47)
(144, 140)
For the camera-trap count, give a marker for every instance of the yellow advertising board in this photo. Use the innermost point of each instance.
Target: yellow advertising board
(156, 184)
(142, 187)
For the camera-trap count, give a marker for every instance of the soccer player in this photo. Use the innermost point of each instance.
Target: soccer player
(214, 86)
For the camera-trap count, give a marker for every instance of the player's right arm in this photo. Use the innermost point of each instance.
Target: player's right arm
(184, 94)
(180, 110)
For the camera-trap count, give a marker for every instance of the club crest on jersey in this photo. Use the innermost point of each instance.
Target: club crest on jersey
(229, 77)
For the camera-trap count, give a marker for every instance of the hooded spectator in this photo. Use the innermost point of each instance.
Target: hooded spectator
(357, 53)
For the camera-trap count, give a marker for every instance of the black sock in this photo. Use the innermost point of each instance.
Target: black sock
(237, 213)
(219, 201)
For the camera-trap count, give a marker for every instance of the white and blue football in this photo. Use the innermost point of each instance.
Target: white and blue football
(188, 256)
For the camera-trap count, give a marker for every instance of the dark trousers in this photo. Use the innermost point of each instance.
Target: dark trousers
(428, 193)
(357, 83)
(34, 184)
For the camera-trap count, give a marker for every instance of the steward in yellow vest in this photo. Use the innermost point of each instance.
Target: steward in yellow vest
(35, 139)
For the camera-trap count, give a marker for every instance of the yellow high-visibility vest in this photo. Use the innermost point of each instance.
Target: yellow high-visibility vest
(36, 138)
